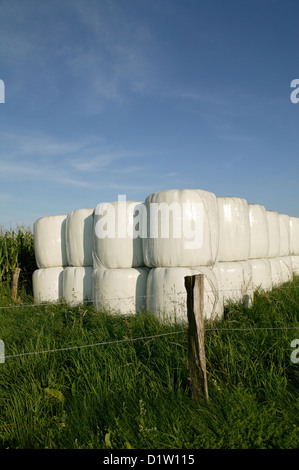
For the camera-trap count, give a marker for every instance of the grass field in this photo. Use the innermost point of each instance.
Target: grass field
(136, 394)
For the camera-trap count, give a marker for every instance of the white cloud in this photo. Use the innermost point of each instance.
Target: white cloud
(96, 53)
(81, 163)
(33, 172)
(37, 144)
(97, 160)
(115, 55)
(203, 96)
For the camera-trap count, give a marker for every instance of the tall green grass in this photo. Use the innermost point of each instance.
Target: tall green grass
(136, 394)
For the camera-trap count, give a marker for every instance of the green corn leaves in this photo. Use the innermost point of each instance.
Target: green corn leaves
(16, 251)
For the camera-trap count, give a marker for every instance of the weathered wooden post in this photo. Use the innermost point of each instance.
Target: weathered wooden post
(14, 286)
(196, 346)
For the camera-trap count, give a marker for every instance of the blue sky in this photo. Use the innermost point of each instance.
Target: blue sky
(109, 97)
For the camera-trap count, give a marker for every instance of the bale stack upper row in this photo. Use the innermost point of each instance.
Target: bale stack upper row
(129, 256)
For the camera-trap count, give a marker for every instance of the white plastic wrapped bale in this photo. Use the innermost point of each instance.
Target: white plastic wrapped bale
(117, 234)
(49, 241)
(235, 281)
(78, 285)
(294, 236)
(259, 232)
(48, 284)
(276, 273)
(284, 227)
(79, 237)
(274, 234)
(120, 291)
(286, 269)
(234, 229)
(295, 265)
(182, 229)
(167, 296)
(261, 274)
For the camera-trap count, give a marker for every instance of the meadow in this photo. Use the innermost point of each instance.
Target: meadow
(72, 380)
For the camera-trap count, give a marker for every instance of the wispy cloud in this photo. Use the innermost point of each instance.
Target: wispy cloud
(79, 163)
(131, 187)
(204, 96)
(96, 159)
(116, 53)
(34, 172)
(37, 144)
(98, 48)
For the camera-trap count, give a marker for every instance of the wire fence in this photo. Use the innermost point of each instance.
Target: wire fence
(3, 357)
(127, 340)
(104, 343)
(165, 295)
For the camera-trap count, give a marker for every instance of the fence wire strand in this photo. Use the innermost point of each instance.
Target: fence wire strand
(127, 340)
(177, 294)
(170, 294)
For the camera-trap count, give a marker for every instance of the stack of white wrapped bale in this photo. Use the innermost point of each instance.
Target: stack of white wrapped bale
(51, 258)
(284, 252)
(294, 244)
(279, 248)
(244, 248)
(260, 224)
(129, 256)
(119, 274)
(182, 239)
(77, 277)
(232, 268)
(63, 251)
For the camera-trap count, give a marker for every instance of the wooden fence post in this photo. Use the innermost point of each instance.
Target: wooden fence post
(196, 348)
(14, 286)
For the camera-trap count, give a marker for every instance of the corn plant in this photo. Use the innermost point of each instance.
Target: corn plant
(16, 251)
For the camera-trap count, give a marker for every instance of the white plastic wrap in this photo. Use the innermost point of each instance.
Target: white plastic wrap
(294, 236)
(79, 237)
(49, 241)
(48, 284)
(286, 269)
(234, 229)
(120, 291)
(261, 274)
(117, 240)
(295, 265)
(78, 285)
(259, 232)
(235, 281)
(167, 296)
(276, 273)
(182, 229)
(284, 227)
(274, 234)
